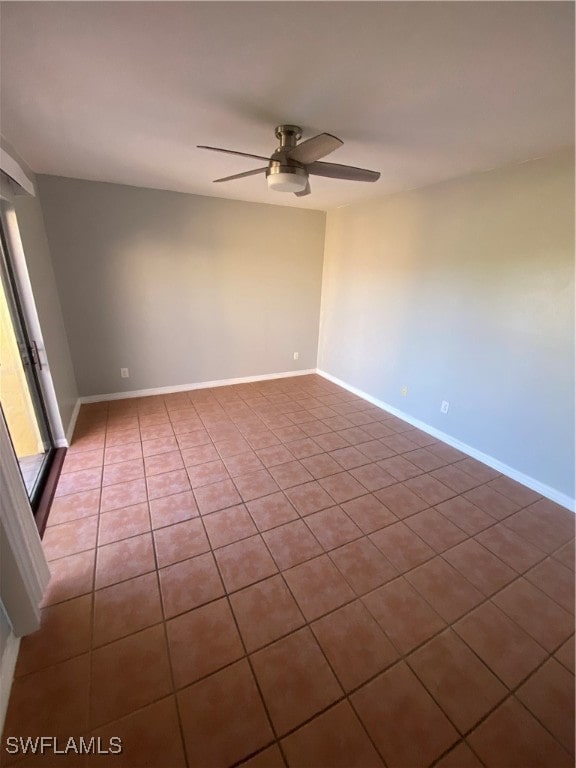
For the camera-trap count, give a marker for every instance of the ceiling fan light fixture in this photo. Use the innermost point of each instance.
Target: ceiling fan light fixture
(287, 179)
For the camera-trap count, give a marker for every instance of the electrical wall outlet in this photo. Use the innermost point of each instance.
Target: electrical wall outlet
(296, 355)
(124, 373)
(444, 406)
(404, 391)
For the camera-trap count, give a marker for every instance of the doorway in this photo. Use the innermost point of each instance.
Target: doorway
(21, 397)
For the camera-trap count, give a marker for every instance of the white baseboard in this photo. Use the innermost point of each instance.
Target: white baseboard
(7, 667)
(65, 442)
(544, 490)
(196, 385)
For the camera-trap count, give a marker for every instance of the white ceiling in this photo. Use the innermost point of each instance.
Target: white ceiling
(420, 91)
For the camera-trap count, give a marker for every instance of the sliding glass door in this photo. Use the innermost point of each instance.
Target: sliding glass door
(20, 393)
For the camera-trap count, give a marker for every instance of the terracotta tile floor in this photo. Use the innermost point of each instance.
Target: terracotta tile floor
(280, 573)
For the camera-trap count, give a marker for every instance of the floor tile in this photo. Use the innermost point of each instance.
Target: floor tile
(70, 576)
(244, 563)
(122, 472)
(202, 641)
(495, 542)
(199, 454)
(458, 681)
(459, 757)
(321, 465)
(168, 510)
(192, 439)
(493, 503)
(511, 736)
(52, 701)
(241, 463)
(229, 525)
(566, 654)
(211, 498)
(435, 529)
(125, 608)
(514, 491)
(69, 538)
(477, 564)
(501, 644)
(336, 739)
(128, 674)
(265, 611)
(290, 474)
(123, 523)
(116, 453)
(354, 644)
(536, 529)
(549, 695)
(401, 546)
(369, 513)
(425, 459)
(143, 742)
(123, 494)
(318, 587)
(403, 614)
(349, 457)
(296, 667)
(548, 623)
(208, 473)
(342, 487)
(275, 454)
(332, 527)
(83, 460)
(167, 483)
(153, 431)
(399, 467)
(180, 541)
(158, 446)
(75, 482)
(465, 515)
(372, 477)
(449, 593)
(510, 548)
(271, 511)
(397, 697)
(123, 560)
(64, 509)
(477, 470)
(363, 565)
(308, 498)
(64, 632)
(189, 584)
(223, 718)
(454, 478)
(430, 489)
(401, 500)
(292, 544)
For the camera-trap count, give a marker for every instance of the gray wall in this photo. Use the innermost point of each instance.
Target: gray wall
(179, 288)
(464, 292)
(47, 301)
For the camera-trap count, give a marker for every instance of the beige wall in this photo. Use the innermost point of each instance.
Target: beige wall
(464, 291)
(181, 289)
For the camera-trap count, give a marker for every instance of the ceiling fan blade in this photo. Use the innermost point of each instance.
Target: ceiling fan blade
(232, 152)
(335, 171)
(315, 148)
(241, 175)
(305, 191)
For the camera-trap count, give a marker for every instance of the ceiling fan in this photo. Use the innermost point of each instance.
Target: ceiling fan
(290, 165)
